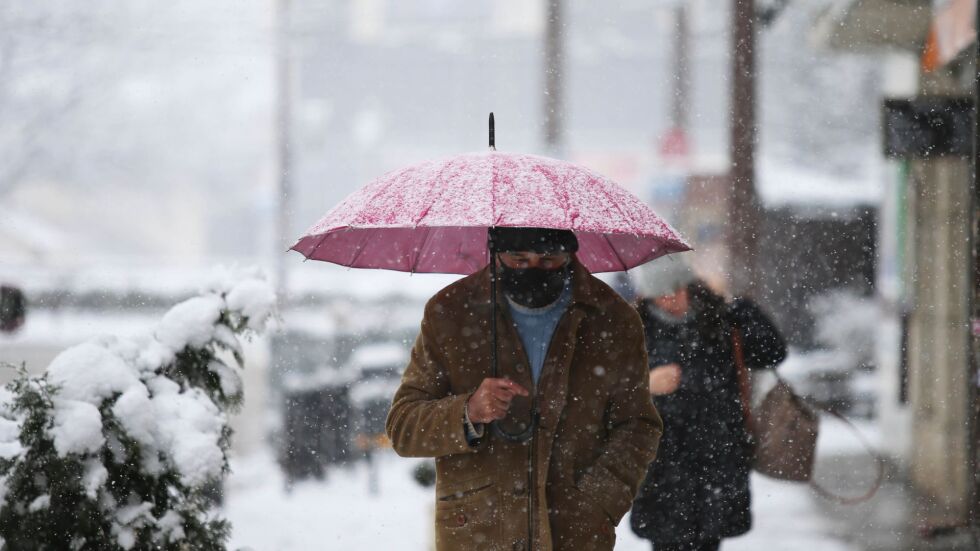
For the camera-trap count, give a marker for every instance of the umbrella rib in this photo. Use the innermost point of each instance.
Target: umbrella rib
(421, 249)
(621, 211)
(317, 246)
(435, 196)
(568, 204)
(616, 252)
(561, 193)
(367, 237)
(475, 265)
(375, 194)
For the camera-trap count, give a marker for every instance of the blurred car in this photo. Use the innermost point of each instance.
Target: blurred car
(377, 369)
(317, 415)
(833, 380)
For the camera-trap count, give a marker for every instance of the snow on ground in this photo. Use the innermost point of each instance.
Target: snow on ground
(837, 439)
(340, 513)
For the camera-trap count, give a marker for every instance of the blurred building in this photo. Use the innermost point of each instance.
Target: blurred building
(928, 404)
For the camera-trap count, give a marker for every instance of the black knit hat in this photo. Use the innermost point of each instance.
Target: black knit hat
(538, 240)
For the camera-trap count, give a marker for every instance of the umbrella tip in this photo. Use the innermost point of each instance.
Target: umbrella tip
(493, 140)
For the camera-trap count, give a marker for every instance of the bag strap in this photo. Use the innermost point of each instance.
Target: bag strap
(744, 382)
(875, 457)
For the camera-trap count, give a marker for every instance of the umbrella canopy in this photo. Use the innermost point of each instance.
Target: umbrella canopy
(433, 216)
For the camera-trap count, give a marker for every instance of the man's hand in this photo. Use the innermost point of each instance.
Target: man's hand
(491, 401)
(665, 379)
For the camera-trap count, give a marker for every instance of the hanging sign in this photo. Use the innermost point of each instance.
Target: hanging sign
(935, 126)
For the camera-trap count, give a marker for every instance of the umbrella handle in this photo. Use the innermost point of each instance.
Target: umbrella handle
(528, 433)
(493, 291)
(493, 139)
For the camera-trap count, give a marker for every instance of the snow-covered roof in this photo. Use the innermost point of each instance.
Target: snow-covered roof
(325, 278)
(312, 321)
(168, 277)
(111, 273)
(322, 378)
(782, 185)
(379, 355)
(373, 390)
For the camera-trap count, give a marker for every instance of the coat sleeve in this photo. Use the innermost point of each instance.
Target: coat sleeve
(426, 419)
(634, 430)
(762, 343)
(661, 349)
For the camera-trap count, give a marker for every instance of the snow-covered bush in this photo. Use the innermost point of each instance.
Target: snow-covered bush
(846, 322)
(116, 445)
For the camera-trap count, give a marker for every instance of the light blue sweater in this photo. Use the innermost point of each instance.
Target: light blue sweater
(536, 326)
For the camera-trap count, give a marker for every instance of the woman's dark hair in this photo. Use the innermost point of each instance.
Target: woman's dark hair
(709, 310)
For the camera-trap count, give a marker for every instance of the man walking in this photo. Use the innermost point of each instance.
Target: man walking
(547, 455)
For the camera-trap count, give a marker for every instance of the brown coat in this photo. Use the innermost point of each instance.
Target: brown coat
(598, 428)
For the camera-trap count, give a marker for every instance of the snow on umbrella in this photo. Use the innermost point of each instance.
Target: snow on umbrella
(433, 216)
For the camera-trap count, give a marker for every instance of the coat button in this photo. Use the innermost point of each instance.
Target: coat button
(520, 489)
(518, 545)
(460, 519)
(519, 368)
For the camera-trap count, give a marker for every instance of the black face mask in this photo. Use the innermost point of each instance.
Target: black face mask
(534, 287)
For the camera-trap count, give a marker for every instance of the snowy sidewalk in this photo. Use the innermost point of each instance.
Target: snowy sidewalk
(893, 518)
(339, 513)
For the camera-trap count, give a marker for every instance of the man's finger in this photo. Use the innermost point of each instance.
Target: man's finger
(502, 395)
(506, 384)
(511, 387)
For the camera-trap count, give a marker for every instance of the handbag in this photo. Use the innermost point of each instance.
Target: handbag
(784, 432)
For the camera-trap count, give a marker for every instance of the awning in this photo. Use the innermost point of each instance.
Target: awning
(861, 26)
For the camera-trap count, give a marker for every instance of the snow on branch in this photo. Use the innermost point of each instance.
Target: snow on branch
(118, 443)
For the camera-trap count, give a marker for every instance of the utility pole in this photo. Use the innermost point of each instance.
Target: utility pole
(553, 66)
(974, 296)
(744, 209)
(674, 150)
(682, 79)
(284, 146)
(284, 171)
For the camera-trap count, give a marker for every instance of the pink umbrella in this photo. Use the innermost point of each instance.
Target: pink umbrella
(433, 216)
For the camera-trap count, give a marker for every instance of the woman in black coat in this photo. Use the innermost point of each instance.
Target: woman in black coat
(696, 492)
